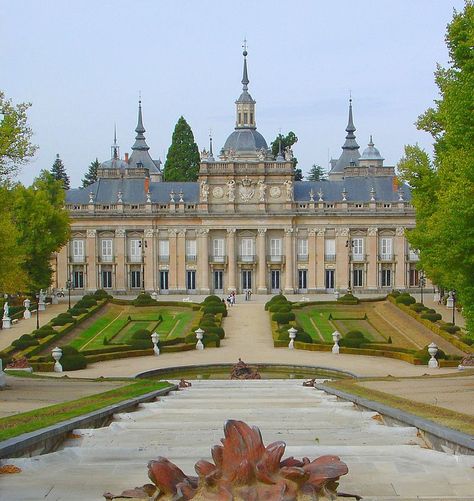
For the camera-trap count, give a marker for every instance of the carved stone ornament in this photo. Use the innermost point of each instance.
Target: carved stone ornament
(149, 232)
(372, 232)
(275, 192)
(218, 192)
(342, 232)
(243, 371)
(288, 231)
(262, 231)
(172, 232)
(231, 230)
(399, 232)
(204, 191)
(243, 469)
(203, 231)
(312, 232)
(182, 232)
(321, 232)
(120, 232)
(246, 191)
(91, 233)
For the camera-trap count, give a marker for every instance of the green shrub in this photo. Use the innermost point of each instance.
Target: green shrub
(279, 307)
(72, 360)
(142, 334)
(63, 320)
(405, 299)
(140, 344)
(389, 340)
(215, 308)
(348, 299)
(144, 299)
(219, 331)
(279, 298)
(75, 311)
(86, 301)
(449, 327)
(45, 330)
(303, 337)
(212, 299)
(283, 318)
(432, 317)
(100, 294)
(25, 341)
(211, 340)
(467, 340)
(418, 307)
(172, 342)
(395, 293)
(353, 339)
(424, 356)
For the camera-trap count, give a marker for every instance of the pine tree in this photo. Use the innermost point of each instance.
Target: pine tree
(182, 161)
(91, 175)
(287, 141)
(316, 173)
(59, 172)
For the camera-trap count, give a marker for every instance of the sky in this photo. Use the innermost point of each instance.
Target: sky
(83, 64)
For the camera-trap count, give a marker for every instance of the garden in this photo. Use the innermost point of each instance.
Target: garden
(369, 327)
(99, 327)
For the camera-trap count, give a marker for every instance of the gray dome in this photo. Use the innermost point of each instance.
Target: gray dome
(114, 163)
(245, 140)
(371, 152)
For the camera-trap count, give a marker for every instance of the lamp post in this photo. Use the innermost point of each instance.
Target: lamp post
(422, 281)
(37, 312)
(453, 292)
(68, 287)
(349, 245)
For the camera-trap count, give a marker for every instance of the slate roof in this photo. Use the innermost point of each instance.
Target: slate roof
(245, 140)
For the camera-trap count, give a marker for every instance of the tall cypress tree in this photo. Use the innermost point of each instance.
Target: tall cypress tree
(182, 161)
(91, 175)
(59, 172)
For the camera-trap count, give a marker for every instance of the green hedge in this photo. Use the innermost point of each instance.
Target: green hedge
(353, 339)
(144, 299)
(283, 318)
(348, 299)
(405, 299)
(432, 317)
(25, 341)
(279, 298)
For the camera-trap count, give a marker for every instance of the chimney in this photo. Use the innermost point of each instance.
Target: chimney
(147, 185)
(126, 157)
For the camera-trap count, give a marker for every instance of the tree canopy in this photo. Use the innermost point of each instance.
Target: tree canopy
(443, 188)
(91, 175)
(182, 161)
(15, 137)
(316, 173)
(59, 172)
(287, 141)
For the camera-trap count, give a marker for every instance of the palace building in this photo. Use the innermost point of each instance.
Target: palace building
(245, 224)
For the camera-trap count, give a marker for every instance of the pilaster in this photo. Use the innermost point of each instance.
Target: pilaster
(231, 259)
(261, 261)
(181, 261)
(203, 260)
(320, 262)
(120, 253)
(290, 264)
(372, 258)
(91, 259)
(312, 260)
(342, 258)
(173, 270)
(149, 261)
(399, 251)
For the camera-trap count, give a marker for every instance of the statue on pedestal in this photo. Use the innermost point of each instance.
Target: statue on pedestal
(262, 188)
(204, 191)
(231, 190)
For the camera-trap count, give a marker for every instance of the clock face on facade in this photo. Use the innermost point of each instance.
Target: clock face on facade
(218, 192)
(275, 191)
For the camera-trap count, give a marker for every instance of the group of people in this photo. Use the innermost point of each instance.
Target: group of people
(231, 298)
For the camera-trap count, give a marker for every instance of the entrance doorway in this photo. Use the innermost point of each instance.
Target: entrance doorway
(164, 281)
(302, 280)
(275, 281)
(246, 280)
(218, 281)
(329, 280)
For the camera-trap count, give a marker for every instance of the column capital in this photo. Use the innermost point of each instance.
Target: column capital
(400, 231)
(231, 231)
(342, 232)
(120, 232)
(202, 232)
(372, 231)
(262, 231)
(91, 233)
(320, 232)
(181, 232)
(172, 232)
(149, 232)
(288, 231)
(312, 232)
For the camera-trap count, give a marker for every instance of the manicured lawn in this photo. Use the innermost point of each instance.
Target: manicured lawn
(25, 422)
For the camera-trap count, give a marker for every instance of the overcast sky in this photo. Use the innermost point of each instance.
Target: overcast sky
(82, 64)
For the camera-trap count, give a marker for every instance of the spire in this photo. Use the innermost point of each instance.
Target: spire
(245, 115)
(280, 157)
(140, 143)
(351, 143)
(210, 156)
(115, 147)
(245, 77)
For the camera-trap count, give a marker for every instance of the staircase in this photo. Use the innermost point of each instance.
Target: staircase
(385, 463)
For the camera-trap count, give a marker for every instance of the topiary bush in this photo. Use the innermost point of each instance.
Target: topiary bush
(101, 294)
(215, 308)
(45, 330)
(75, 311)
(405, 299)
(418, 307)
(144, 299)
(283, 318)
(279, 298)
(142, 334)
(424, 356)
(63, 319)
(395, 293)
(72, 360)
(353, 339)
(219, 331)
(25, 341)
(86, 301)
(449, 327)
(303, 337)
(279, 307)
(467, 340)
(348, 299)
(432, 317)
(212, 299)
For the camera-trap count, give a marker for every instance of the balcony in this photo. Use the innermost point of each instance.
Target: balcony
(77, 259)
(413, 256)
(358, 258)
(218, 259)
(386, 257)
(329, 258)
(277, 259)
(247, 259)
(106, 259)
(164, 258)
(135, 259)
(191, 258)
(302, 258)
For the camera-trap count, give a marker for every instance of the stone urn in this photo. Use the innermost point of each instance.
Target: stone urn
(336, 336)
(57, 353)
(432, 350)
(292, 333)
(155, 339)
(199, 336)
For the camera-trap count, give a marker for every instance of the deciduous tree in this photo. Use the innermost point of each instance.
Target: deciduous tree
(182, 161)
(443, 189)
(284, 142)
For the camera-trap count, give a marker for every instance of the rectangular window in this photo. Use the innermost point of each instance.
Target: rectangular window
(78, 280)
(302, 247)
(106, 279)
(218, 280)
(247, 246)
(386, 277)
(358, 277)
(106, 249)
(240, 118)
(414, 276)
(191, 250)
(358, 249)
(413, 254)
(246, 118)
(386, 248)
(329, 279)
(302, 279)
(164, 250)
(218, 247)
(135, 250)
(330, 249)
(190, 280)
(275, 247)
(251, 118)
(135, 279)
(275, 279)
(164, 280)
(78, 250)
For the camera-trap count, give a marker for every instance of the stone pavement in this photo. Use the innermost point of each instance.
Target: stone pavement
(385, 463)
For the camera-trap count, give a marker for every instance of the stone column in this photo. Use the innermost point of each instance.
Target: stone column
(290, 262)
(320, 285)
(231, 260)
(91, 259)
(399, 251)
(173, 264)
(149, 261)
(312, 260)
(181, 260)
(261, 262)
(203, 261)
(63, 268)
(372, 258)
(120, 256)
(342, 258)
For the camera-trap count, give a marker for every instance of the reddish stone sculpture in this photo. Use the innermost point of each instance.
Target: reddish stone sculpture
(19, 363)
(243, 470)
(184, 384)
(243, 371)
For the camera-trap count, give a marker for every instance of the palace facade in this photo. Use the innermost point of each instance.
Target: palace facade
(245, 224)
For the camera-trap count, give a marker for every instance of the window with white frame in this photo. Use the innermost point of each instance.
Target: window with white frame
(106, 249)
(275, 247)
(357, 249)
(302, 248)
(191, 249)
(247, 248)
(413, 254)
(386, 276)
(218, 251)
(330, 249)
(78, 250)
(164, 250)
(358, 277)
(386, 248)
(135, 250)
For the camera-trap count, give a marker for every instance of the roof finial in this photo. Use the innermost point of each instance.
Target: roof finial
(245, 77)
(140, 143)
(371, 143)
(210, 142)
(115, 148)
